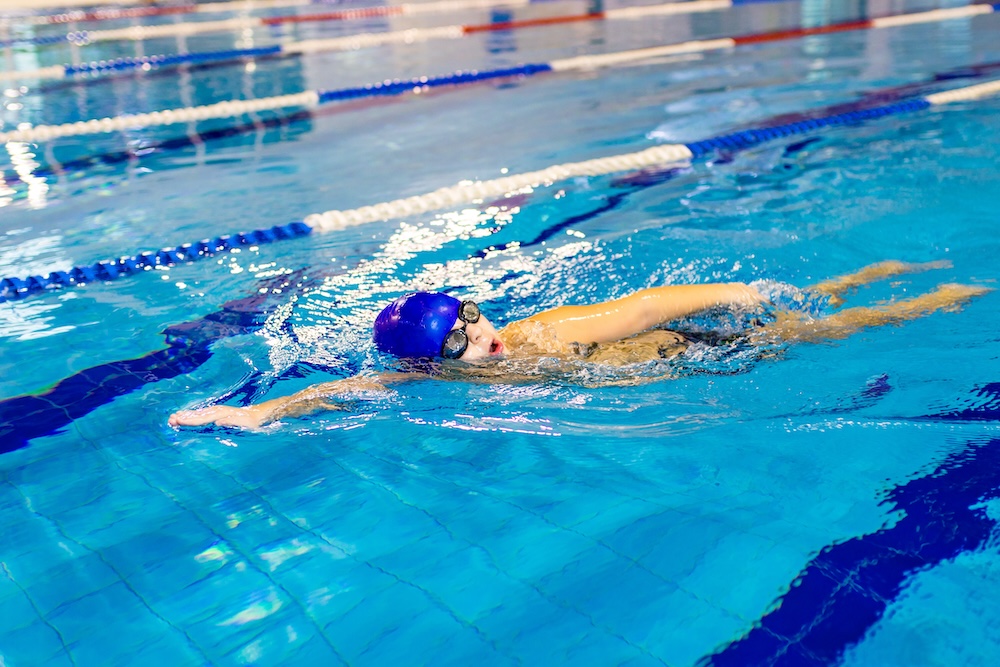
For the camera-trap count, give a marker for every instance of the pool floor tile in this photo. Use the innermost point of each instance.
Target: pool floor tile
(17, 612)
(580, 578)
(225, 591)
(414, 558)
(290, 641)
(546, 634)
(621, 598)
(70, 580)
(327, 588)
(609, 519)
(527, 547)
(682, 546)
(442, 638)
(315, 651)
(158, 582)
(167, 649)
(599, 649)
(380, 527)
(467, 582)
(586, 505)
(688, 629)
(237, 625)
(745, 574)
(34, 643)
(79, 618)
(647, 534)
(379, 615)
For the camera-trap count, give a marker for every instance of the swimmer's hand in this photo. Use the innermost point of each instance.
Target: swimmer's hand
(221, 415)
(311, 399)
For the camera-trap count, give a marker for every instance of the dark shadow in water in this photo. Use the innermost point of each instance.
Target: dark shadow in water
(24, 418)
(845, 590)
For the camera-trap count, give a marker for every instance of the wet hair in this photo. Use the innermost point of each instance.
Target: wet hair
(415, 324)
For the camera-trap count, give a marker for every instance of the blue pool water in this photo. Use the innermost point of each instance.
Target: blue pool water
(832, 503)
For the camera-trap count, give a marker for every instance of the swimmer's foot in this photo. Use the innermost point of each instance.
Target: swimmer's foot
(836, 287)
(949, 298)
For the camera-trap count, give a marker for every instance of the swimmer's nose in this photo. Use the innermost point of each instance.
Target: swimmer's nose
(475, 333)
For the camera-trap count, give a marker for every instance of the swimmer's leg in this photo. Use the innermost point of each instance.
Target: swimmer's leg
(843, 323)
(836, 287)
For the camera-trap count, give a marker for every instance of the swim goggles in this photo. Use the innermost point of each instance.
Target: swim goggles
(457, 341)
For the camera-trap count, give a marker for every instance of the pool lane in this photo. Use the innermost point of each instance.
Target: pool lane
(846, 589)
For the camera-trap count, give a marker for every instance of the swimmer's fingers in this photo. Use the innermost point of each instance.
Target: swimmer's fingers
(220, 415)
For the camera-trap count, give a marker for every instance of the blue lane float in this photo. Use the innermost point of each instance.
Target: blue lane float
(146, 62)
(16, 288)
(750, 138)
(398, 87)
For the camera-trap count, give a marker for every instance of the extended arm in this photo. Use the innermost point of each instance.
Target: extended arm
(311, 399)
(618, 319)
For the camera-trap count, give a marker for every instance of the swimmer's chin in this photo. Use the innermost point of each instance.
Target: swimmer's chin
(494, 357)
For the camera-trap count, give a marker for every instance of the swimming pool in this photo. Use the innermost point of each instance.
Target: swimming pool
(833, 504)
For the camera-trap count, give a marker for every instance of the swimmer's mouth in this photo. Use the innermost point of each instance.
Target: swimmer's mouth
(496, 347)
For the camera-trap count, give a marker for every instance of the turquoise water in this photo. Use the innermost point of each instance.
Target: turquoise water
(682, 521)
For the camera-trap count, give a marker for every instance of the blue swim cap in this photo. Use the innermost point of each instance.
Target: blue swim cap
(415, 325)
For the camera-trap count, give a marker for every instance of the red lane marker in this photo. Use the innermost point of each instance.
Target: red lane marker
(801, 32)
(512, 25)
(345, 15)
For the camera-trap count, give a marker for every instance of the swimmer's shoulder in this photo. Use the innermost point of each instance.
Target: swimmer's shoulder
(530, 336)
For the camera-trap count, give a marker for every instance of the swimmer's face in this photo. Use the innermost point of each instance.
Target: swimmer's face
(484, 342)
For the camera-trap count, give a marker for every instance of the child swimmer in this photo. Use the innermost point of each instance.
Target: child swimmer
(434, 325)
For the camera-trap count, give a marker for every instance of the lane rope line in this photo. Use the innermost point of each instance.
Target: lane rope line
(478, 190)
(370, 40)
(278, 120)
(104, 13)
(227, 109)
(113, 5)
(309, 99)
(14, 288)
(406, 9)
(138, 33)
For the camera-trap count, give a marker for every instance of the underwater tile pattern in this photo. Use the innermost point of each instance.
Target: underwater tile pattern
(356, 551)
(728, 517)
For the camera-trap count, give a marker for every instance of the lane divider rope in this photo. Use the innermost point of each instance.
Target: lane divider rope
(309, 99)
(227, 109)
(405, 9)
(116, 13)
(368, 40)
(363, 40)
(15, 288)
(258, 124)
(106, 5)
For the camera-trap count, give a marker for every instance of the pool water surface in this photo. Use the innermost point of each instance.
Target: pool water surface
(829, 503)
